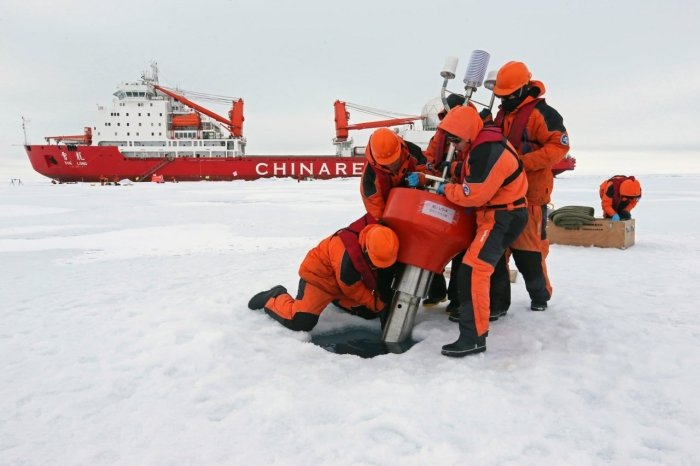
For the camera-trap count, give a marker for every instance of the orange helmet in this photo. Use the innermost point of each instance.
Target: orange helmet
(381, 243)
(463, 122)
(511, 77)
(630, 188)
(385, 146)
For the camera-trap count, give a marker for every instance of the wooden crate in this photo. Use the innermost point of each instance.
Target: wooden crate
(603, 233)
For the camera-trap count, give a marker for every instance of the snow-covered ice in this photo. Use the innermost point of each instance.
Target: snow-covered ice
(125, 338)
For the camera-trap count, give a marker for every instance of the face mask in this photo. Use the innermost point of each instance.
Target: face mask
(511, 102)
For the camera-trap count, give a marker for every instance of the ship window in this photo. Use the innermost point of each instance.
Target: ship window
(108, 143)
(153, 134)
(127, 124)
(139, 114)
(151, 124)
(148, 114)
(160, 134)
(118, 124)
(128, 134)
(161, 114)
(151, 105)
(137, 134)
(127, 114)
(139, 124)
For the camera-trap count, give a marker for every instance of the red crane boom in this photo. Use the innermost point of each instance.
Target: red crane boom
(342, 126)
(234, 125)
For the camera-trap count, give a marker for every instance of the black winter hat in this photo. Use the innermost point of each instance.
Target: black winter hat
(455, 100)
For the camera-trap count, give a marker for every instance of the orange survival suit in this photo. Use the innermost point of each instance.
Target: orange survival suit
(619, 195)
(342, 266)
(537, 132)
(389, 160)
(492, 182)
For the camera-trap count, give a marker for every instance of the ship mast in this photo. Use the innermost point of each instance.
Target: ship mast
(153, 76)
(24, 128)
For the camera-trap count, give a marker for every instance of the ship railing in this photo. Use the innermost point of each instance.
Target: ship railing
(204, 153)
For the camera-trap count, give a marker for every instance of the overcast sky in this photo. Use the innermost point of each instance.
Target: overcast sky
(622, 74)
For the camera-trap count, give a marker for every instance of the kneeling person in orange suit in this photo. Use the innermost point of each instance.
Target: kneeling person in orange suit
(494, 183)
(619, 195)
(342, 267)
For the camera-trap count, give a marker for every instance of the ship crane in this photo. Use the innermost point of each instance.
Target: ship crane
(343, 127)
(234, 123)
(342, 117)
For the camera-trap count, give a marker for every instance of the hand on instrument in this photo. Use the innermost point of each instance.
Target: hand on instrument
(413, 180)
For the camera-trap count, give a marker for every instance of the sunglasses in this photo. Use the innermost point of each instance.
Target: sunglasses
(514, 95)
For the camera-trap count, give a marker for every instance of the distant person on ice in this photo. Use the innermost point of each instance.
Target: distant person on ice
(618, 196)
(342, 267)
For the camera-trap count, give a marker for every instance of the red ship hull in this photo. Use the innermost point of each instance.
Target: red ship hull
(75, 163)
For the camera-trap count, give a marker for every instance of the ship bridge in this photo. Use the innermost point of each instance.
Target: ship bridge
(135, 91)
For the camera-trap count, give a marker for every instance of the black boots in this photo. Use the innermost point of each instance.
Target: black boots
(469, 342)
(538, 305)
(495, 315)
(465, 346)
(258, 301)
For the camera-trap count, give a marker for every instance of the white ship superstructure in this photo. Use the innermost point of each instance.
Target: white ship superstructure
(144, 122)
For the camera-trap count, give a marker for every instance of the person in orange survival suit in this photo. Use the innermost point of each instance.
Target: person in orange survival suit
(389, 160)
(500, 286)
(492, 182)
(537, 132)
(439, 290)
(619, 195)
(342, 266)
